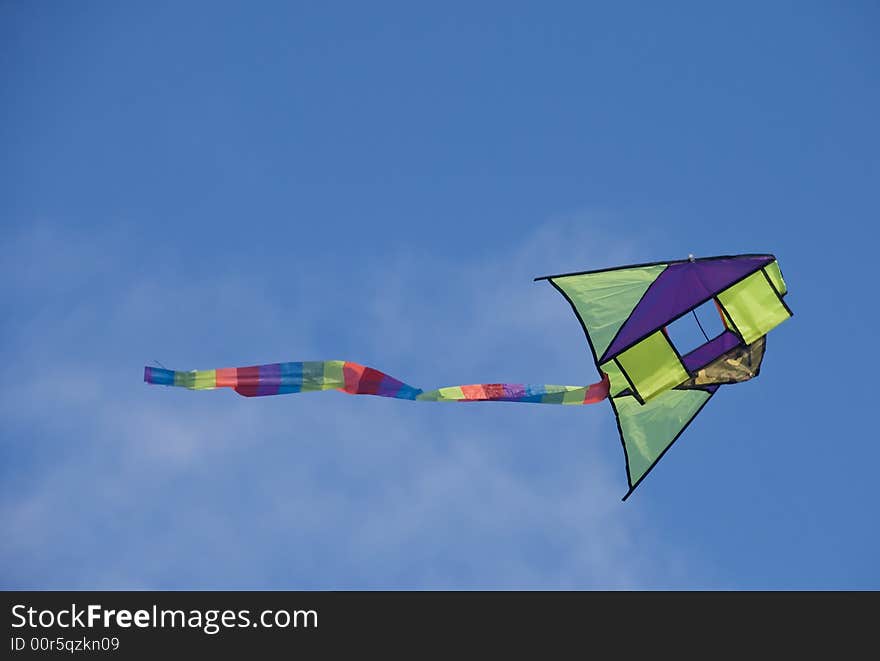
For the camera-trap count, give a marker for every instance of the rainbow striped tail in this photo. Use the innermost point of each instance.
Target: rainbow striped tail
(355, 379)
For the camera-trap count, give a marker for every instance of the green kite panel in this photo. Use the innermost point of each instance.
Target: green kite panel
(775, 276)
(618, 380)
(604, 300)
(653, 366)
(753, 306)
(649, 429)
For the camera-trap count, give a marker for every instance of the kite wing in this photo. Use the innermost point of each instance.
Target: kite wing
(656, 391)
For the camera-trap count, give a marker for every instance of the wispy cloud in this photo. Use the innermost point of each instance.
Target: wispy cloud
(111, 483)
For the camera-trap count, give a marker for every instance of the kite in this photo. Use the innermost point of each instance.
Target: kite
(655, 389)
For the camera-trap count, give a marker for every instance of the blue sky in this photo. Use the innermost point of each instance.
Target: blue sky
(221, 184)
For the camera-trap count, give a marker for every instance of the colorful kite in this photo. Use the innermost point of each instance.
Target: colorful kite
(655, 390)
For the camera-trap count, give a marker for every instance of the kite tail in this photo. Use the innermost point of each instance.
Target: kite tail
(355, 379)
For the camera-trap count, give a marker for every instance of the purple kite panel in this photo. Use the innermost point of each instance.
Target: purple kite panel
(702, 356)
(679, 288)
